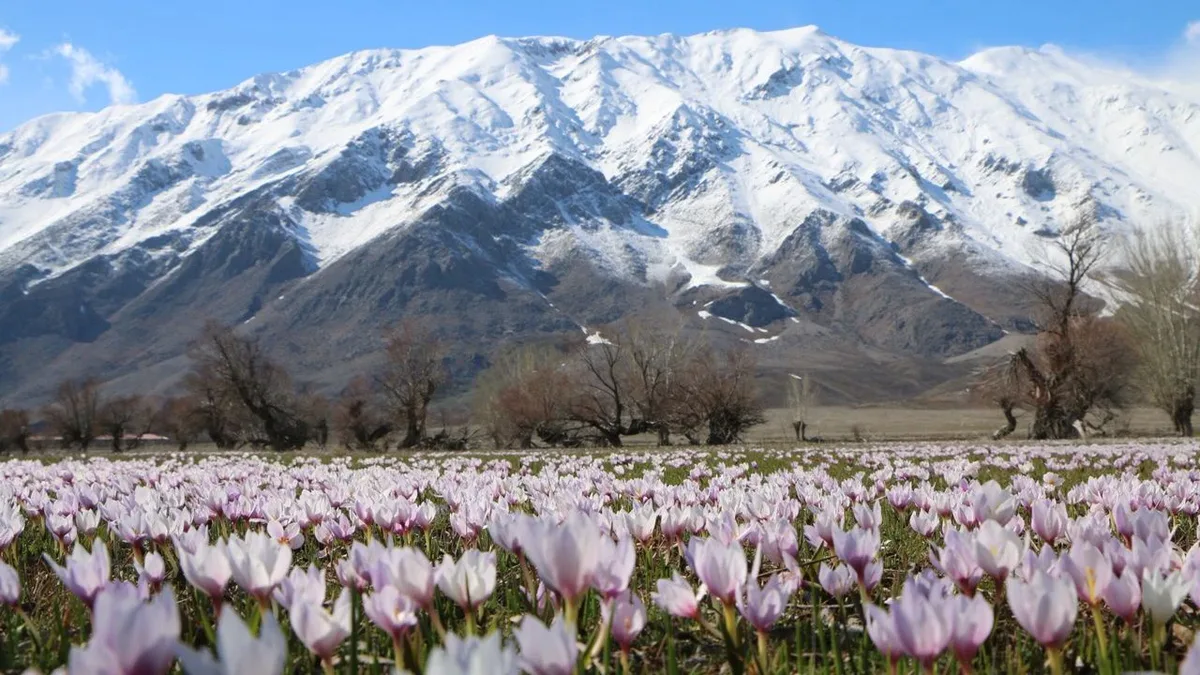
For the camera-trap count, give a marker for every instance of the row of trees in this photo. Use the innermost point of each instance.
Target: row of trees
(648, 378)
(237, 395)
(1085, 365)
(80, 415)
(638, 379)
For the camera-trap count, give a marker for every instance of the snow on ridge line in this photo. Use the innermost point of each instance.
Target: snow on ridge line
(497, 104)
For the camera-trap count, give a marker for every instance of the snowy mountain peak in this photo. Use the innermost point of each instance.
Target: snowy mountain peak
(715, 161)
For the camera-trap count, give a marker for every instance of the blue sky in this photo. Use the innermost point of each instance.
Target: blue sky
(82, 54)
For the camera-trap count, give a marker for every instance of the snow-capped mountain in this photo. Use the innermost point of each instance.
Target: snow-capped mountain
(808, 189)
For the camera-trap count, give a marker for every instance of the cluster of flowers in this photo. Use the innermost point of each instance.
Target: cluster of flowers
(731, 549)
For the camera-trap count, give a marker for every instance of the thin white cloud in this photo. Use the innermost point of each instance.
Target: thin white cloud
(1183, 61)
(8, 40)
(1178, 62)
(87, 70)
(1191, 34)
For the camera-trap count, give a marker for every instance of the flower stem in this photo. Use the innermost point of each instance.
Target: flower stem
(1157, 634)
(402, 663)
(729, 628)
(436, 620)
(29, 626)
(762, 652)
(1101, 639)
(672, 666)
(1056, 661)
(731, 624)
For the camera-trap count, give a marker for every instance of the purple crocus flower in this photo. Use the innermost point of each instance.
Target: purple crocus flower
(883, 634)
(141, 636)
(320, 630)
(1090, 570)
(676, 597)
(239, 652)
(997, 549)
(1123, 595)
(1045, 607)
(628, 615)
(258, 563)
(547, 650)
(393, 612)
(957, 561)
(470, 581)
(473, 655)
(1049, 520)
(922, 627)
(10, 585)
(837, 581)
(409, 571)
(301, 585)
(86, 573)
(856, 548)
(763, 605)
(971, 621)
(565, 555)
(206, 568)
(722, 568)
(614, 567)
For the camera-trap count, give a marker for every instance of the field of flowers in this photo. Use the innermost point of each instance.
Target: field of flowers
(1016, 558)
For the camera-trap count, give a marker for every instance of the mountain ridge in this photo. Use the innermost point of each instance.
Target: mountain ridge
(882, 196)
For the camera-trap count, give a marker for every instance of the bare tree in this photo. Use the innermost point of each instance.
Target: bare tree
(124, 416)
(74, 414)
(414, 372)
(998, 385)
(239, 370)
(181, 419)
(1159, 286)
(358, 421)
(604, 402)
(525, 397)
(216, 405)
(720, 396)
(1080, 363)
(801, 396)
(14, 430)
(657, 356)
(316, 411)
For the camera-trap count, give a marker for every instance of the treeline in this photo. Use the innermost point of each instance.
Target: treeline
(1086, 364)
(643, 377)
(637, 379)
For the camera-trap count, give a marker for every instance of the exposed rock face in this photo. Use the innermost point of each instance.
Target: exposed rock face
(864, 212)
(1039, 184)
(751, 306)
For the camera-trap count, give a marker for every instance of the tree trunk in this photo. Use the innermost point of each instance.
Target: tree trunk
(798, 427)
(1181, 414)
(664, 435)
(412, 431)
(1010, 423)
(1051, 422)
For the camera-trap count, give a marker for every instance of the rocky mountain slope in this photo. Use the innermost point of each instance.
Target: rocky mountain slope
(854, 211)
